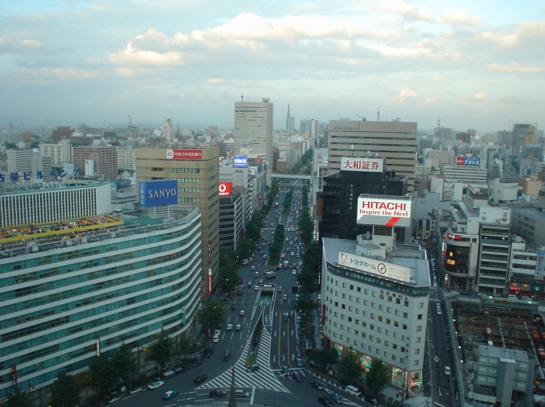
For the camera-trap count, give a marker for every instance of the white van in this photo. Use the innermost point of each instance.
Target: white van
(216, 337)
(353, 390)
(241, 394)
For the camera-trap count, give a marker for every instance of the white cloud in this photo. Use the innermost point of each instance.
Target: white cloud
(139, 57)
(405, 9)
(514, 67)
(30, 44)
(476, 97)
(405, 95)
(458, 17)
(215, 80)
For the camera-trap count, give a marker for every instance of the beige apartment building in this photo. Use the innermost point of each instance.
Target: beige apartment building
(395, 141)
(103, 158)
(197, 172)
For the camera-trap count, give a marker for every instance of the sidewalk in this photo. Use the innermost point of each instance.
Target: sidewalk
(417, 399)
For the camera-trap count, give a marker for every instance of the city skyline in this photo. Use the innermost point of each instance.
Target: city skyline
(474, 66)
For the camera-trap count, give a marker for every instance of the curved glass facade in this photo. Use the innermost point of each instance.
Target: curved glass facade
(116, 285)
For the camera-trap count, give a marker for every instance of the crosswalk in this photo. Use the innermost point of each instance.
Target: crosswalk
(264, 378)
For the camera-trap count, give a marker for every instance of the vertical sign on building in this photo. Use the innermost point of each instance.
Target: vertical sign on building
(209, 281)
(539, 263)
(209, 252)
(14, 375)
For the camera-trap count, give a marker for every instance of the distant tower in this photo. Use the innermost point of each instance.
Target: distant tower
(289, 122)
(130, 123)
(378, 113)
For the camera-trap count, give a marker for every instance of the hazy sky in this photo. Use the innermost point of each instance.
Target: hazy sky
(473, 64)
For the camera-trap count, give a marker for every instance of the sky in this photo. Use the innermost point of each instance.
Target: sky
(472, 64)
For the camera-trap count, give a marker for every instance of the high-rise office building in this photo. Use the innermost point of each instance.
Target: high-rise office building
(342, 189)
(254, 130)
(394, 141)
(104, 160)
(197, 173)
(78, 287)
(290, 121)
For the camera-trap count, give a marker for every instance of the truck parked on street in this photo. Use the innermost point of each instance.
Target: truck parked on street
(270, 274)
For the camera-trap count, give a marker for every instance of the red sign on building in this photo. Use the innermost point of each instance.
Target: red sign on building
(226, 189)
(184, 154)
(209, 281)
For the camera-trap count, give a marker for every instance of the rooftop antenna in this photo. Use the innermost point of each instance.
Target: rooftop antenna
(361, 117)
(242, 98)
(130, 123)
(378, 113)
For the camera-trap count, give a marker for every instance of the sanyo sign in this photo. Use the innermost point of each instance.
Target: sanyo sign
(158, 193)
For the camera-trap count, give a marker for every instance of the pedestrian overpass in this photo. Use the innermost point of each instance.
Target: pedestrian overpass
(290, 176)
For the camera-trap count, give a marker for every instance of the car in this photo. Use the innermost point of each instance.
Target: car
(299, 354)
(261, 282)
(241, 313)
(292, 253)
(299, 362)
(229, 327)
(249, 284)
(447, 370)
(155, 385)
(285, 371)
(284, 297)
(439, 311)
(371, 400)
(294, 272)
(256, 288)
(169, 394)
(256, 274)
(239, 292)
(238, 327)
(286, 317)
(217, 393)
(325, 401)
(233, 307)
(336, 398)
(253, 368)
(169, 374)
(280, 289)
(298, 376)
(252, 268)
(226, 356)
(317, 385)
(200, 379)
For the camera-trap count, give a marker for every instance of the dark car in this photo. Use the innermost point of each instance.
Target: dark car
(200, 379)
(285, 371)
(336, 398)
(371, 400)
(317, 385)
(217, 393)
(226, 356)
(297, 376)
(325, 401)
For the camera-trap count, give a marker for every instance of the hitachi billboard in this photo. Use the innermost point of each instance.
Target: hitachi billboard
(384, 212)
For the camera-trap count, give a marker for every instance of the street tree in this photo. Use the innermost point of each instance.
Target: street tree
(18, 399)
(212, 312)
(187, 346)
(103, 375)
(244, 248)
(312, 257)
(349, 367)
(377, 377)
(125, 362)
(161, 349)
(65, 391)
(324, 357)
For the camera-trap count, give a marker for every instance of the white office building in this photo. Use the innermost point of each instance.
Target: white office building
(254, 130)
(375, 301)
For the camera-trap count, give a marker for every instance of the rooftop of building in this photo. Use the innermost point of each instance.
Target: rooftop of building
(10, 189)
(410, 256)
(37, 237)
(501, 327)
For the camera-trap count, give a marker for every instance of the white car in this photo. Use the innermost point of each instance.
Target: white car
(447, 370)
(229, 327)
(155, 385)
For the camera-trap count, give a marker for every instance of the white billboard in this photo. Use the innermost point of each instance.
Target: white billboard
(372, 266)
(362, 164)
(384, 211)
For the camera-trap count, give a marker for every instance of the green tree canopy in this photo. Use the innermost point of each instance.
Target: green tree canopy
(325, 356)
(65, 391)
(349, 367)
(18, 399)
(377, 377)
(161, 349)
(187, 346)
(244, 248)
(126, 362)
(103, 375)
(212, 313)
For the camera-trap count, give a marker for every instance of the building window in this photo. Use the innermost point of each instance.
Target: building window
(418, 328)
(405, 326)
(419, 316)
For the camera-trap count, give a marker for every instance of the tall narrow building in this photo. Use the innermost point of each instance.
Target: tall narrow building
(254, 131)
(395, 141)
(197, 173)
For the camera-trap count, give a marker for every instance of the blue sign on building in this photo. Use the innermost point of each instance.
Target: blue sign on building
(472, 161)
(240, 161)
(158, 193)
